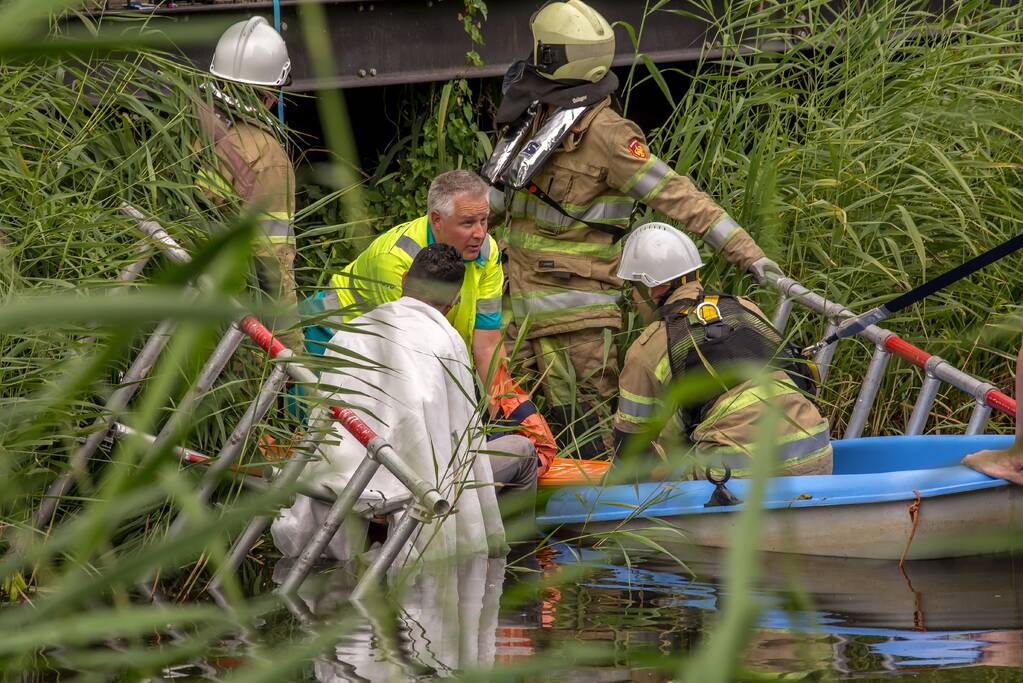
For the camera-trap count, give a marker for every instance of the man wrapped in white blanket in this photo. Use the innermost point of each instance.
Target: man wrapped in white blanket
(413, 384)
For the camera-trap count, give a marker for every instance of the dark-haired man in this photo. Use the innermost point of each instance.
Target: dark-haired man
(435, 278)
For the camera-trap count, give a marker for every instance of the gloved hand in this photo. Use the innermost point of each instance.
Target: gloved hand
(761, 267)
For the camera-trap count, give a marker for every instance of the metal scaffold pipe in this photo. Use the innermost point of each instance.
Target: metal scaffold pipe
(889, 341)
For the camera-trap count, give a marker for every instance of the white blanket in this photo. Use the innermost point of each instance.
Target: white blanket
(420, 398)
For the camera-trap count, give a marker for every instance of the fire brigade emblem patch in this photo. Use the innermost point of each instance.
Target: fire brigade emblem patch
(638, 149)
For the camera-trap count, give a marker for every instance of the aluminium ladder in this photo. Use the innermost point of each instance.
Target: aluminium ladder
(887, 344)
(426, 502)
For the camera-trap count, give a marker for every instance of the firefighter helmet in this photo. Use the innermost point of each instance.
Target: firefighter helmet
(656, 253)
(571, 41)
(252, 52)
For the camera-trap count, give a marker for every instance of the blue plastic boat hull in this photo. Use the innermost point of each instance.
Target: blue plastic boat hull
(862, 510)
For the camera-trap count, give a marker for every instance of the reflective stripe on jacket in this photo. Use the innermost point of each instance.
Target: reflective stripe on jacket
(254, 168)
(374, 277)
(562, 274)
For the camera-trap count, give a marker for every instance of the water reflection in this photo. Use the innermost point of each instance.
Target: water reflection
(849, 616)
(443, 620)
(853, 618)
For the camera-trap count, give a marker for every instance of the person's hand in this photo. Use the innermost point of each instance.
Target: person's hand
(761, 267)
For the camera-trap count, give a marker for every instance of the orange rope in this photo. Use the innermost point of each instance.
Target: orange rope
(914, 517)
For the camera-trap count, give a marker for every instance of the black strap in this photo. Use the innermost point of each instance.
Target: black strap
(509, 423)
(958, 273)
(802, 371)
(692, 415)
(718, 333)
(615, 232)
(521, 412)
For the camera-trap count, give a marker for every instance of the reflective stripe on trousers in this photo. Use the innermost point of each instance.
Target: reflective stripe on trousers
(524, 304)
(797, 450)
(770, 390)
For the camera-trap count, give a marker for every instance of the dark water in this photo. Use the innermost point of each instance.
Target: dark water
(820, 619)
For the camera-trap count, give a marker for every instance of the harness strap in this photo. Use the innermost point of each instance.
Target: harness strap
(705, 312)
(216, 128)
(615, 232)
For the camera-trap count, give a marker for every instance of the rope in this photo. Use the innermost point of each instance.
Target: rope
(280, 93)
(914, 518)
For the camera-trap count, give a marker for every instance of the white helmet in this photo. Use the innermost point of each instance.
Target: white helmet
(656, 253)
(252, 52)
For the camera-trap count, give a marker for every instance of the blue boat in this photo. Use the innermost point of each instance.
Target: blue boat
(888, 497)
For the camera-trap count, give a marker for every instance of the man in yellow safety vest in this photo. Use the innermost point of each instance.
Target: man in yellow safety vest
(457, 213)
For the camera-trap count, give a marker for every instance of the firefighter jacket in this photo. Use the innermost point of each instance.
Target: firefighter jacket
(562, 274)
(729, 429)
(374, 277)
(254, 168)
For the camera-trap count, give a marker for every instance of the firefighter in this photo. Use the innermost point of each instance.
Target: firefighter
(457, 213)
(252, 169)
(567, 174)
(702, 333)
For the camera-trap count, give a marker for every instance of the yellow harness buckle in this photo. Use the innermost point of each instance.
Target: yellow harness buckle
(707, 311)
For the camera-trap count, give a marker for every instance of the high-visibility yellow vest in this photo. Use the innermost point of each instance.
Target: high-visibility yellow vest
(375, 278)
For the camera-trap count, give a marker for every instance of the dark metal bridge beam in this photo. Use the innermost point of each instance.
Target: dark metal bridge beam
(404, 41)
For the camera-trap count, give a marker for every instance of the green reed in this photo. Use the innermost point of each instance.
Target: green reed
(865, 149)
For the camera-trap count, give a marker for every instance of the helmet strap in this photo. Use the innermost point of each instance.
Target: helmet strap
(219, 92)
(694, 276)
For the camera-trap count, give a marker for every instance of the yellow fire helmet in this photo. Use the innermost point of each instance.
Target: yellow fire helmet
(571, 41)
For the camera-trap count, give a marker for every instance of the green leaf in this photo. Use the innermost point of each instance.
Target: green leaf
(916, 237)
(658, 78)
(442, 113)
